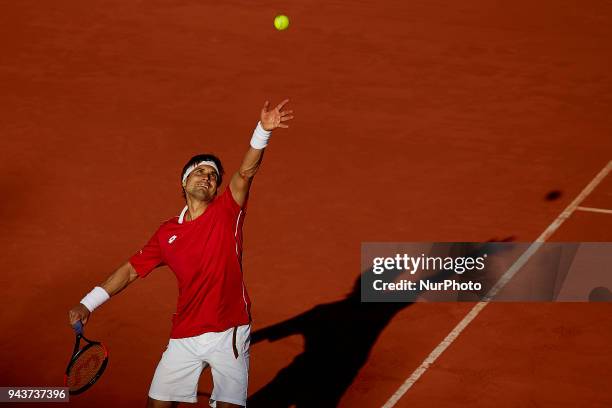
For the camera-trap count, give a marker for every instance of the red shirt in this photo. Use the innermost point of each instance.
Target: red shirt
(206, 257)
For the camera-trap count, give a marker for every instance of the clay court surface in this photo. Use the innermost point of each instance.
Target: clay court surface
(415, 121)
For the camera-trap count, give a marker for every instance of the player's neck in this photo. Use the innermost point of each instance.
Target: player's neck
(195, 208)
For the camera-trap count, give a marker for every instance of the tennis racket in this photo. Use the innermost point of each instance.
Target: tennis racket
(86, 364)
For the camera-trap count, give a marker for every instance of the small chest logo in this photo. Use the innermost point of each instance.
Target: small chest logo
(171, 239)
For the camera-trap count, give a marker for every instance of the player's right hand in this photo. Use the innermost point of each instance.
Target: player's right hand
(79, 312)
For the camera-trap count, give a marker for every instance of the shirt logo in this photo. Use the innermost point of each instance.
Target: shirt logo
(172, 238)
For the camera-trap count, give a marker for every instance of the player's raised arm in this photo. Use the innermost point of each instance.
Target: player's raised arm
(269, 120)
(115, 283)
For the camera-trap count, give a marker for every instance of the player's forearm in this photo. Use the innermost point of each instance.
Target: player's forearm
(251, 162)
(252, 158)
(120, 279)
(100, 294)
(241, 180)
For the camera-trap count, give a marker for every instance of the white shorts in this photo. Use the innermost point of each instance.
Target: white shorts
(227, 354)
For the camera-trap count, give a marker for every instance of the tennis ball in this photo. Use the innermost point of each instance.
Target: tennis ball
(281, 22)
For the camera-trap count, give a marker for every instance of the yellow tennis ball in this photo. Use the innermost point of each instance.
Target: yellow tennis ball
(281, 22)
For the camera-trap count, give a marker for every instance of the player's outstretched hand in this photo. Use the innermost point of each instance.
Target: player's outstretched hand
(272, 119)
(79, 312)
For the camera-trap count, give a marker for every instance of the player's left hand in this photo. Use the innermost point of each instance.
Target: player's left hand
(272, 119)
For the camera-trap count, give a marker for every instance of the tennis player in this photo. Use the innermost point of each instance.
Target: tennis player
(203, 247)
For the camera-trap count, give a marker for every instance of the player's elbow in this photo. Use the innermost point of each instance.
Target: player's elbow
(132, 274)
(247, 173)
(119, 279)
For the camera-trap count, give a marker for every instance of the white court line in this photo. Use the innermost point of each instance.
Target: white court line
(505, 278)
(596, 210)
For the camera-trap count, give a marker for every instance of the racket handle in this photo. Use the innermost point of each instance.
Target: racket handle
(78, 327)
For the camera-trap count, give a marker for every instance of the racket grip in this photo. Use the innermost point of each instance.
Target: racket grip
(78, 327)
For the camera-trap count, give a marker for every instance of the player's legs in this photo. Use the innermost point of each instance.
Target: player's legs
(177, 374)
(221, 404)
(153, 403)
(229, 363)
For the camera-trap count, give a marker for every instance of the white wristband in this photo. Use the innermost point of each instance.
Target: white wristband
(260, 137)
(95, 298)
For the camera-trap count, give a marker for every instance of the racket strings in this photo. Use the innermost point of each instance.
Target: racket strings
(86, 367)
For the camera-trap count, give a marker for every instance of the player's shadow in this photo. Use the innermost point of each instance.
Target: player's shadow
(338, 338)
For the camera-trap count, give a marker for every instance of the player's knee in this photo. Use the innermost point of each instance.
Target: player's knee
(221, 404)
(153, 403)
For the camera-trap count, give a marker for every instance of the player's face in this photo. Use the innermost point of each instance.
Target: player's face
(202, 183)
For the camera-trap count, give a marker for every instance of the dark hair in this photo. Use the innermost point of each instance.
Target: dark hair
(200, 158)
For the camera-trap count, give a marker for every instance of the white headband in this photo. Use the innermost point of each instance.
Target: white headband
(192, 168)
